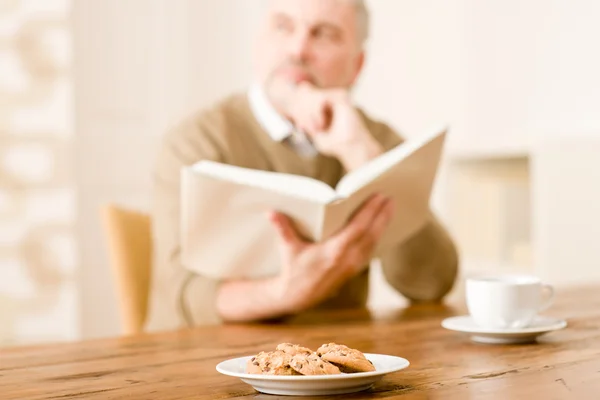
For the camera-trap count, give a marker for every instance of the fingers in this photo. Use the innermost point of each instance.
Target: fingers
(285, 229)
(314, 111)
(321, 116)
(308, 120)
(361, 222)
(382, 220)
(316, 122)
(326, 116)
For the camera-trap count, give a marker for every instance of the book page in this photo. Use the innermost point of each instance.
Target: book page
(295, 185)
(408, 183)
(225, 228)
(362, 176)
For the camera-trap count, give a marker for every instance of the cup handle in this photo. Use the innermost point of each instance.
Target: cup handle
(548, 295)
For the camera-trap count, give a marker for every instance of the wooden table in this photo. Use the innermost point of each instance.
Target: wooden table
(444, 364)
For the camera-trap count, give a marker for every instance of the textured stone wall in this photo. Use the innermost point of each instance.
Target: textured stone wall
(37, 196)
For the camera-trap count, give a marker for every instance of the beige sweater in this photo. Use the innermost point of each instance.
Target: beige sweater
(422, 268)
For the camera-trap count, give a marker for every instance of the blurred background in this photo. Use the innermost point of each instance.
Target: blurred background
(88, 86)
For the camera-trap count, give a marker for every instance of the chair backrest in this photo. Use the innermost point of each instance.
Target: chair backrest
(129, 242)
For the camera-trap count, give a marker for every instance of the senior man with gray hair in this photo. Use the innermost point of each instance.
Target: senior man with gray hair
(297, 117)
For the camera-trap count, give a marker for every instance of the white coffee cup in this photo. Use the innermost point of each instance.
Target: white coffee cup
(507, 301)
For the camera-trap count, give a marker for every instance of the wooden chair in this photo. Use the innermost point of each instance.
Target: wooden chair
(129, 242)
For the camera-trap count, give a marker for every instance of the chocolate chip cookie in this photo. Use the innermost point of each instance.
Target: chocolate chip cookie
(293, 349)
(271, 363)
(346, 359)
(312, 364)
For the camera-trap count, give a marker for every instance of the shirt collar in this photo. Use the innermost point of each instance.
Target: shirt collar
(274, 123)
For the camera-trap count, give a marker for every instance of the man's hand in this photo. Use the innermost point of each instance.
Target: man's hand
(333, 124)
(312, 272)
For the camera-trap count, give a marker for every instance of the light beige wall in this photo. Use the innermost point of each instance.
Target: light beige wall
(37, 198)
(533, 94)
(532, 66)
(566, 208)
(140, 66)
(416, 73)
(118, 87)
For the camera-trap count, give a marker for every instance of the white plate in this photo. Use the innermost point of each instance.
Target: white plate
(539, 326)
(314, 385)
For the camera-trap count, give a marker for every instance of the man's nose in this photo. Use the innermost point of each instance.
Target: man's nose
(300, 46)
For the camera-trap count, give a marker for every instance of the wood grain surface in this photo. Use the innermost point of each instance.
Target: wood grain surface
(444, 364)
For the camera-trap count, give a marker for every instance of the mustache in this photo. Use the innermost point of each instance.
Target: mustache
(290, 63)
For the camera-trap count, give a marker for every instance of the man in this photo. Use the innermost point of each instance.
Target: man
(298, 118)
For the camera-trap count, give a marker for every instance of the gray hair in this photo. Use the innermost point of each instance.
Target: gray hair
(362, 19)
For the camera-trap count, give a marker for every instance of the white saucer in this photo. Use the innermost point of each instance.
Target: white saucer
(314, 385)
(539, 326)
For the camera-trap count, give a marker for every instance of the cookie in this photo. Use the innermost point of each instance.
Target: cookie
(346, 359)
(293, 349)
(253, 366)
(312, 364)
(270, 363)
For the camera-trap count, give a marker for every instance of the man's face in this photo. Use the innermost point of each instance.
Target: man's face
(308, 40)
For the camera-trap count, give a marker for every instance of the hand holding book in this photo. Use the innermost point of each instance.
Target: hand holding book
(311, 271)
(225, 234)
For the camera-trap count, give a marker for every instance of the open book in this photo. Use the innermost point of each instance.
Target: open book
(225, 230)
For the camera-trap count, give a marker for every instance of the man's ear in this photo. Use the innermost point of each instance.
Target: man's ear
(360, 63)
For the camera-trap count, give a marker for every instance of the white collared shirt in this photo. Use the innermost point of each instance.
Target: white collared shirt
(278, 127)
